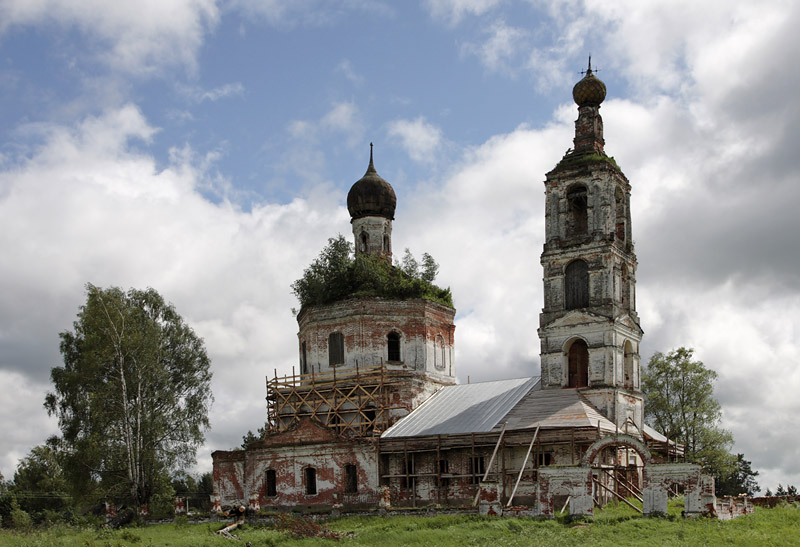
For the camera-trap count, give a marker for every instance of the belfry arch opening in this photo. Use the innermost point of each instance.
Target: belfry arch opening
(578, 364)
(578, 210)
(576, 285)
(363, 242)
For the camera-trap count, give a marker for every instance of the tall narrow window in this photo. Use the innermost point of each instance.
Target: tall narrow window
(304, 362)
(628, 365)
(408, 480)
(439, 353)
(272, 486)
(310, 479)
(626, 288)
(335, 348)
(619, 198)
(578, 214)
(576, 285)
(364, 243)
(350, 479)
(393, 343)
(444, 469)
(578, 364)
(477, 469)
(368, 420)
(387, 243)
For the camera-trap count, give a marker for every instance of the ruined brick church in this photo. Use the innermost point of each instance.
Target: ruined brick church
(373, 416)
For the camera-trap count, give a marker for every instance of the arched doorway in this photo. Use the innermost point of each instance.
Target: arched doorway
(578, 364)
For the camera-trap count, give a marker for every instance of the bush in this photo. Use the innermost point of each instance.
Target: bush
(335, 275)
(19, 519)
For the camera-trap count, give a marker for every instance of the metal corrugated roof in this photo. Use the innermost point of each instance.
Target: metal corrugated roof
(469, 408)
(555, 408)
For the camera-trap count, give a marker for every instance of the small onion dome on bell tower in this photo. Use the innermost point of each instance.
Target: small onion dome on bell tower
(590, 91)
(371, 196)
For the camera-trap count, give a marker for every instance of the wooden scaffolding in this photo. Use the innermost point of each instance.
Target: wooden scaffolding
(351, 401)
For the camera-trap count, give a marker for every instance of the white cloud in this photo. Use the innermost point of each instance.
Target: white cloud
(420, 139)
(346, 68)
(453, 11)
(85, 206)
(201, 95)
(311, 13)
(313, 140)
(503, 44)
(137, 37)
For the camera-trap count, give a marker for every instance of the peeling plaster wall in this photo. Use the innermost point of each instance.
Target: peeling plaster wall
(249, 486)
(698, 495)
(556, 483)
(426, 329)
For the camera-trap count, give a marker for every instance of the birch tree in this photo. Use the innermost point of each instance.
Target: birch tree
(132, 397)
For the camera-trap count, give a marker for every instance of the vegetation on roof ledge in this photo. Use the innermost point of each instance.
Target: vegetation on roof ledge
(571, 160)
(337, 275)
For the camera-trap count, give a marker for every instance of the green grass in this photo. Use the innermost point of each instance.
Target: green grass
(615, 525)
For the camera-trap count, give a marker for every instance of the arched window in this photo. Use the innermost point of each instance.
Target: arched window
(577, 212)
(578, 364)
(387, 243)
(350, 478)
(364, 243)
(439, 353)
(335, 349)
(310, 480)
(304, 361)
(576, 285)
(272, 485)
(393, 345)
(628, 365)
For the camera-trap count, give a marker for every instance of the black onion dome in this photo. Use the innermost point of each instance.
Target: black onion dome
(371, 196)
(590, 91)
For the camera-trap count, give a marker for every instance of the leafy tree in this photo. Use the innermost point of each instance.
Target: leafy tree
(336, 275)
(133, 396)
(5, 500)
(679, 401)
(430, 269)
(251, 437)
(39, 483)
(740, 481)
(410, 266)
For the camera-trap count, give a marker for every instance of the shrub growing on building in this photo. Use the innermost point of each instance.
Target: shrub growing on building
(336, 275)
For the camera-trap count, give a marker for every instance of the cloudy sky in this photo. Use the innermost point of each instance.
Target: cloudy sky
(205, 148)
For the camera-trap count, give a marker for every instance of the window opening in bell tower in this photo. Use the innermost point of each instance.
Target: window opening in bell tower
(628, 364)
(576, 285)
(578, 216)
(619, 198)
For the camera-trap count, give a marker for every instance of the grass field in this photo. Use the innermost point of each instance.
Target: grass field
(611, 526)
